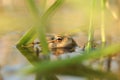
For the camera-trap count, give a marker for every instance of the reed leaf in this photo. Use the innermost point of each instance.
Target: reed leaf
(103, 22)
(46, 66)
(91, 28)
(40, 23)
(27, 37)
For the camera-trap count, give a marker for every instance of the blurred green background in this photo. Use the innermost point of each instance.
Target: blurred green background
(15, 16)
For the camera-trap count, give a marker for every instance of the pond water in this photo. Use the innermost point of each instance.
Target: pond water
(12, 61)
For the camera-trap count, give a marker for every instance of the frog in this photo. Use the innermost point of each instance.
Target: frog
(57, 44)
(61, 44)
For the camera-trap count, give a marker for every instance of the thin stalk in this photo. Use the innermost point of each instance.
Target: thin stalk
(43, 5)
(27, 37)
(31, 32)
(103, 22)
(91, 28)
(44, 19)
(41, 35)
(103, 40)
(52, 9)
(33, 9)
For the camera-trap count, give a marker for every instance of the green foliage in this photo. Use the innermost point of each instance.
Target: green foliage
(74, 67)
(91, 28)
(46, 69)
(27, 37)
(39, 28)
(40, 24)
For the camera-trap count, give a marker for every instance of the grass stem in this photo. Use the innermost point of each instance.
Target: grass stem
(91, 28)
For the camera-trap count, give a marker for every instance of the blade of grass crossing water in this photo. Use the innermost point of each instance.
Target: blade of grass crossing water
(103, 23)
(103, 40)
(79, 59)
(33, 9)
(39, 26)
(41, 35)
(31, 32)
(42, 27)
(42, 4)
(91, 28)
(52, 9)
(44, 67)
(28, 36)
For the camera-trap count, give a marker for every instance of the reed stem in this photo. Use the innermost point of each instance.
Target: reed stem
(103, 39)
(91, 28)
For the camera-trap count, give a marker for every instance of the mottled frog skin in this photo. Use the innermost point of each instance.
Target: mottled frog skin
(58, 44)
(62, 41)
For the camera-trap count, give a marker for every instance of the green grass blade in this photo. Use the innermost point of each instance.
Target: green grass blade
(103, 23)
(42, 25)
(39, 26)
(42, 36)
(91, 28)
(81, 71)
(46, 66)
(28, 36)
(33, 8)
(52, 9)
(31, 32)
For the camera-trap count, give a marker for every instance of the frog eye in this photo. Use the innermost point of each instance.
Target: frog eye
(59, 38)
